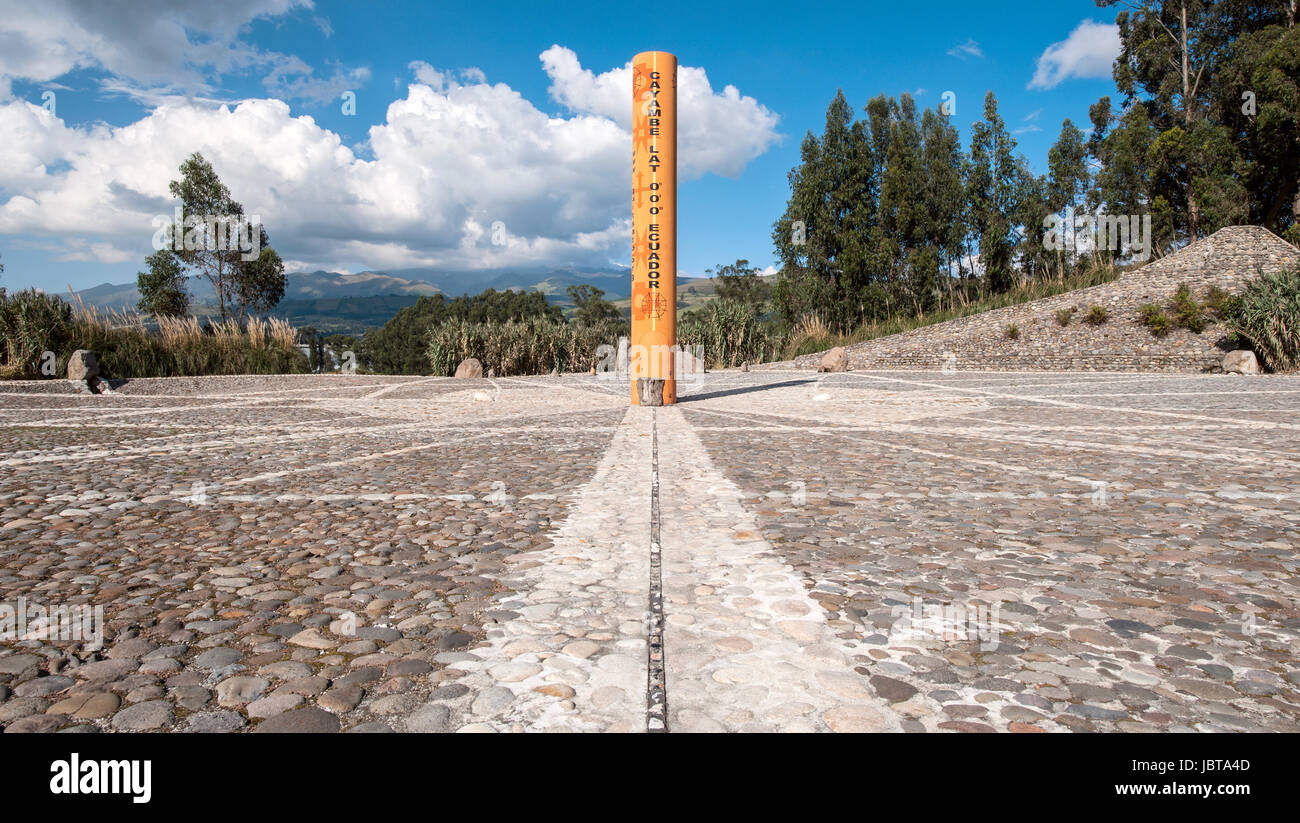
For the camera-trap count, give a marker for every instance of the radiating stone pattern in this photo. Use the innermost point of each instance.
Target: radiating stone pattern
(229, 524)
(367, 554)
(1131, 612)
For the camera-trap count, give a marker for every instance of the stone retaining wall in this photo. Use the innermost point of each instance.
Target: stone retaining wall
(1228, 259)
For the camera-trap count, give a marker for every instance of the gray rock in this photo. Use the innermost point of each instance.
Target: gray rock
(1096, 712)
(18, 663)
(104, 670)
(217, 658)
(395, 704)
(22, 707)
(214, 722)
(341, 698)
(135, 648)
(454, 640)
(895, 691)
(191, 698)
(300, 721)
(44, 686)
(142, 717)
(492, 700)
(451, 691)
(434, 718)
(384, 634)
(834, 360)
(469, 368)
(37, 724)
(236, 691)
(1241, 362)
(408, 667)
(83, 365)
(374, 727)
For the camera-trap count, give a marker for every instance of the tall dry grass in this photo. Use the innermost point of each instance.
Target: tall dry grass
(132, 345)
(533, 346)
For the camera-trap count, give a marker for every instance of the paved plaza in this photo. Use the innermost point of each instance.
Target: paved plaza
(781, 551)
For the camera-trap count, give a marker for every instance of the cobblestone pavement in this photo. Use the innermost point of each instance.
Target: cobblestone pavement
(852, 552)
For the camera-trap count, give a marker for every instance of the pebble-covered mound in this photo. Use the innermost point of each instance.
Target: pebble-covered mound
(1228, 259)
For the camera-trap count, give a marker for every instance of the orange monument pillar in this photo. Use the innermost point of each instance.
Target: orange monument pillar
(654, 225)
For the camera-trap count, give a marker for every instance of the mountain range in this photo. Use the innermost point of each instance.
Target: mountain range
(351, 303)
(318, 285)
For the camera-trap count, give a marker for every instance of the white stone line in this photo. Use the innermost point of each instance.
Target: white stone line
(101, 414)
(1253, 393)
(91, 502)
(575, 658)
(747, 649)
(178, 440)
(395, 386)
(1081, 445)
(477, 433)
(1194, 432)
(587, 386)
(113, 453)
(1087, 406)
(1194, 494)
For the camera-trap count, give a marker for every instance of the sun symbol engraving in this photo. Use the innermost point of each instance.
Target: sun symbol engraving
(653, 304)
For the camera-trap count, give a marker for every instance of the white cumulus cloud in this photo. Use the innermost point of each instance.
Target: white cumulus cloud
(457, 163)
(151, 45)
(1089, 51)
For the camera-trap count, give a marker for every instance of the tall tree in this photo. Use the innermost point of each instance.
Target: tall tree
(1067, 177)
(904, 217)
(823, 238)
(162, 287)
(1190, 64)
(993, 191)
(943, 170)
(260, 282)
(591, 305)
(741, 283)
(1124, 181)
(214, 222)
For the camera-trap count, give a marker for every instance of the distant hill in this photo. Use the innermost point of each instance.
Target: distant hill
(315, 285)
(323, 284)
(344, 315)
(351, 303)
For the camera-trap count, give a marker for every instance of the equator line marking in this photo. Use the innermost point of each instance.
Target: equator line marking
(657, 684)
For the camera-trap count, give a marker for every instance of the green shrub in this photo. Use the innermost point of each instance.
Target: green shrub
(1097, 315)
(1222, 303)
(1155, 319)
(731, 333)
(1187, 310)
(1013, 332)
(1064, 316)
(401, 346)
(1268, 318)
(31, 323)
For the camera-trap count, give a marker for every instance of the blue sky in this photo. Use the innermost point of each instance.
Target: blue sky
(430, 159)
